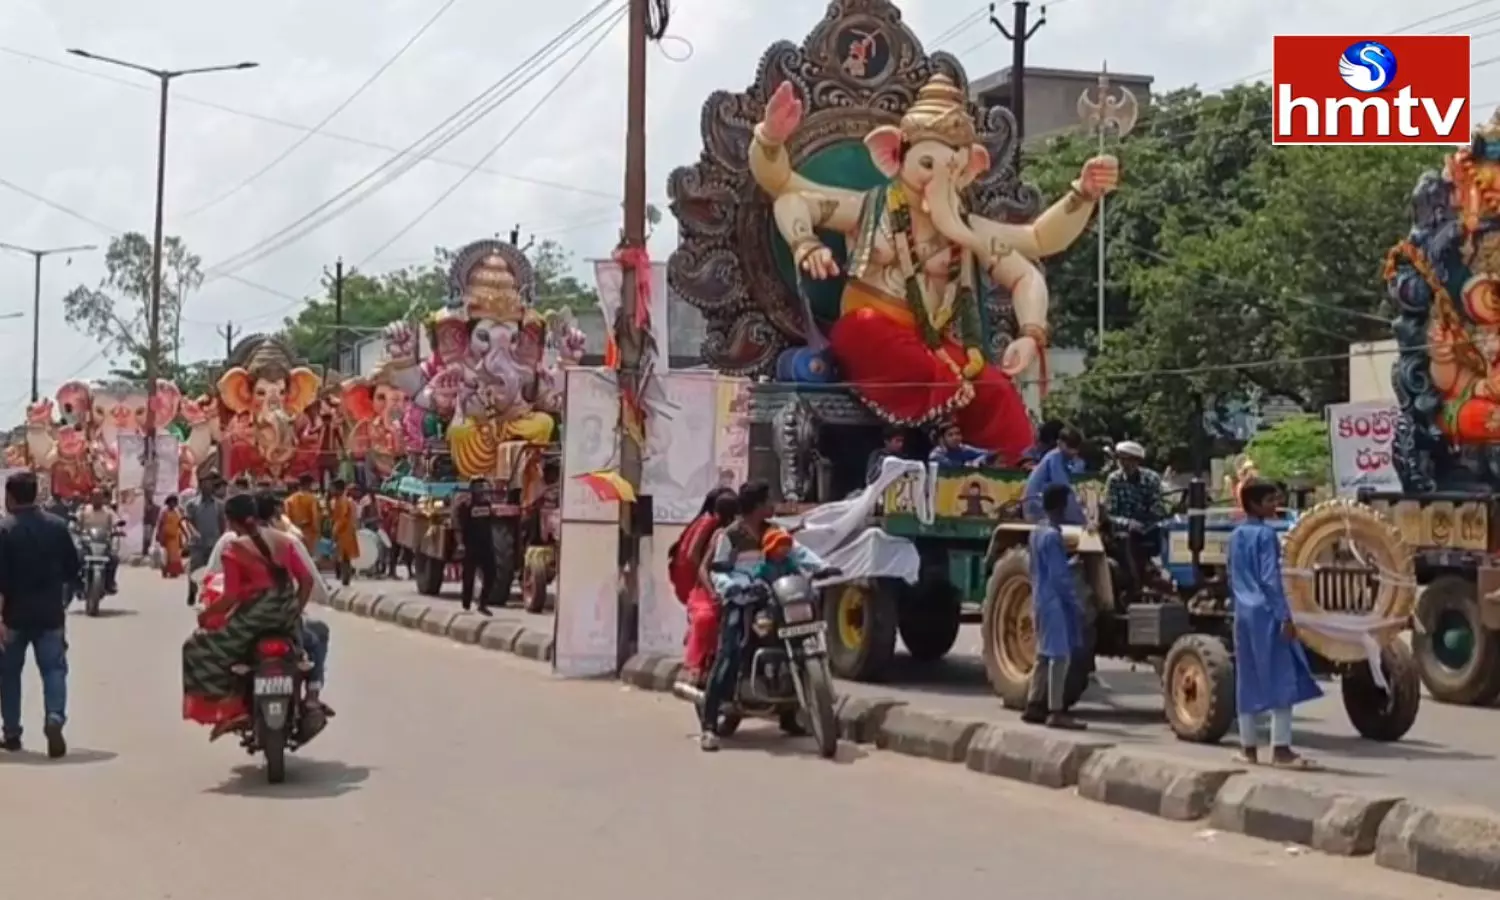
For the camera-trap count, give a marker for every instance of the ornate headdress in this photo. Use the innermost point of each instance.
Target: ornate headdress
(940, 113)
(490, 290)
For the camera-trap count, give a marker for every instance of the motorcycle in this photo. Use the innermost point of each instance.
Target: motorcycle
(274, 680)
(784, 672)
(95, 546)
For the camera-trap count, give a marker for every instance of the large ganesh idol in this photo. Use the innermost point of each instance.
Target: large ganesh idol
(80, 449)
(1444, 279)
(262, 400)
(494, 374)
(867, 210)
(372, 416)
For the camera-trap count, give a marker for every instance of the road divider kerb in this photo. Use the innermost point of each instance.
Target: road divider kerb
(1457, 845)
(1452, 844)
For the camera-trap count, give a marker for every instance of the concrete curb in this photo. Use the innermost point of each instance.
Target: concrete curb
(533, 645)
(860, 718)
(386, 608)
(925, 734)
(467, 628)
(1341, 824)
(1157, 785)
(501, 636)
(364, 604)
(409, 615)
(437, 621)
(650, 672)
(1457, 845)
(1033, 756)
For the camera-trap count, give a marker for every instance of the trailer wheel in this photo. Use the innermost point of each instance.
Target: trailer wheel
(929, 617)
(862, 620)
(1198, 684)
(1384, 715)
(1458, 658)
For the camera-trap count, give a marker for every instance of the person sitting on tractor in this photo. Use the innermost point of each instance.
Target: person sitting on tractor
(951, 450)
(1133, 502)
(1056, 467)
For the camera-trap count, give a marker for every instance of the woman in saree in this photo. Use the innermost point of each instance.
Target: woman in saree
(172, 533)
(693, 592)
(265, 586)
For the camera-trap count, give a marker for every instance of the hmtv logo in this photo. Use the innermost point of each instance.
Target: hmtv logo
(1411, 89)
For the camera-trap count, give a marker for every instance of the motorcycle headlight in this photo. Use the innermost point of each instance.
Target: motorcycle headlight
(763, 624)
(797, 613)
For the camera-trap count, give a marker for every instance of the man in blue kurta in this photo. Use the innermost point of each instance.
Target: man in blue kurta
(1271, 674)
(1054, 608)
(1055, 468)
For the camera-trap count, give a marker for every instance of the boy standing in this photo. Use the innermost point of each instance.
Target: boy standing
(1055, 611)
(1271, 674)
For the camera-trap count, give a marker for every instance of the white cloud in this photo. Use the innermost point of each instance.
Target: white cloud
(89, 143)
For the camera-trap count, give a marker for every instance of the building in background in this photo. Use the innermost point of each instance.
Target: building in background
(1051, 96)
(365, 356)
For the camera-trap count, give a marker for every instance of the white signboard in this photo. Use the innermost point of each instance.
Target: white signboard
(1361, 439)
(680, 466)
(590, 415)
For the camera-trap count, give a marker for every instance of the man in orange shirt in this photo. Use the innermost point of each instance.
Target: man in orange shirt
(342, 515)
(303, 509)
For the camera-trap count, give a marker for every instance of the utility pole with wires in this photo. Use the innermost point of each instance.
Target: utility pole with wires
(628, 335)
(1111, 111)
(228, 333)
(338, 314)
(1019, 34)
(36, 302)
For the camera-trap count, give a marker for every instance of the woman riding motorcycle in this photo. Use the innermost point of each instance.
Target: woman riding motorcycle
(266, 584)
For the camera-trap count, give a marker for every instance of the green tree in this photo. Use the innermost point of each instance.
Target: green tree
(1236, 258)
(370, 302)
(556, 285)
(1296, 447)
(117, 312)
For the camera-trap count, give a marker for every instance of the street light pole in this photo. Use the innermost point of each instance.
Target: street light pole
(36, 301)
(153, 312)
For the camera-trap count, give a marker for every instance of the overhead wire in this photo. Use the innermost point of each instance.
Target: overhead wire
(297, 126)
(603, 30)
(387, 172)
(298, 144)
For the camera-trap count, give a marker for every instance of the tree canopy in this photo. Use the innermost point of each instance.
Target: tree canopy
(373, 301)
(1236, 271)
(117, 312)
(1294, 448)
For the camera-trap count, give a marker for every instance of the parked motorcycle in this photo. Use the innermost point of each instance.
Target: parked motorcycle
(784, 674)
(274, 679)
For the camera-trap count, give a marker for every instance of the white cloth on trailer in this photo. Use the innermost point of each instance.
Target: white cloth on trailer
(1351, 629)
(840, 532)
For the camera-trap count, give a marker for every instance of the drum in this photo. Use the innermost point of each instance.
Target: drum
(369, 550)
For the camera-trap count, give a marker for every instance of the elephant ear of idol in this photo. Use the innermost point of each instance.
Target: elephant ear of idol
(858, 69)
(261, 362)
(1444, 280)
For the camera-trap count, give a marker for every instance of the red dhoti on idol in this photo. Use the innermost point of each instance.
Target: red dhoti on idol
(882, 353)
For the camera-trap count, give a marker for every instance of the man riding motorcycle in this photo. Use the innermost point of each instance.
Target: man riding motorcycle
(748, 550)
(98, 515)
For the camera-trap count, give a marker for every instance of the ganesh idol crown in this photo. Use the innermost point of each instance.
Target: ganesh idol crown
(867, 231)
(494, 372)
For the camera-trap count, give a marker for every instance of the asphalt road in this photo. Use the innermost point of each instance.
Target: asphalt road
(466, 774)
(1449, 756)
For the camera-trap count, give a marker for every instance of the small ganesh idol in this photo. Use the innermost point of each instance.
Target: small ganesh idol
(909, 334)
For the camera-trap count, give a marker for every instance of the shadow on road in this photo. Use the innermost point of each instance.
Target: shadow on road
(1356, 747)
(772, 742)
(77, 756)
(306, 779)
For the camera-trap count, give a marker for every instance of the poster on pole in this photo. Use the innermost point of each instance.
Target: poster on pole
(591, 416)
(680, 465)
(131, 481)
(610, 282)
(1361, 439)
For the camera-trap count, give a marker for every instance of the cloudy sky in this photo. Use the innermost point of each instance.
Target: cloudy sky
(78, 159)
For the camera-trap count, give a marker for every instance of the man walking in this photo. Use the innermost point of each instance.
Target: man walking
(206, 514)
(38, 560)
(472, 519)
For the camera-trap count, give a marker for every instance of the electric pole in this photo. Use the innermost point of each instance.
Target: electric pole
(228, 333)
(628, 336)
(36, 303)
(338, 315)
(1018, 34)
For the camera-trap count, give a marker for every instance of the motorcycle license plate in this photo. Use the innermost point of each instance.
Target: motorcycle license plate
(791, 631)
(101, 560)
(273, 686)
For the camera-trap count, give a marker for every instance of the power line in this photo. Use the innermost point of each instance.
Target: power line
(604, 32)
(296, 145)
(466, 117)
(297, 126)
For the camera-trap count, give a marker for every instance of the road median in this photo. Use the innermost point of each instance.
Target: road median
(1453, 844)
(1157, 785)
(1337, 823)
